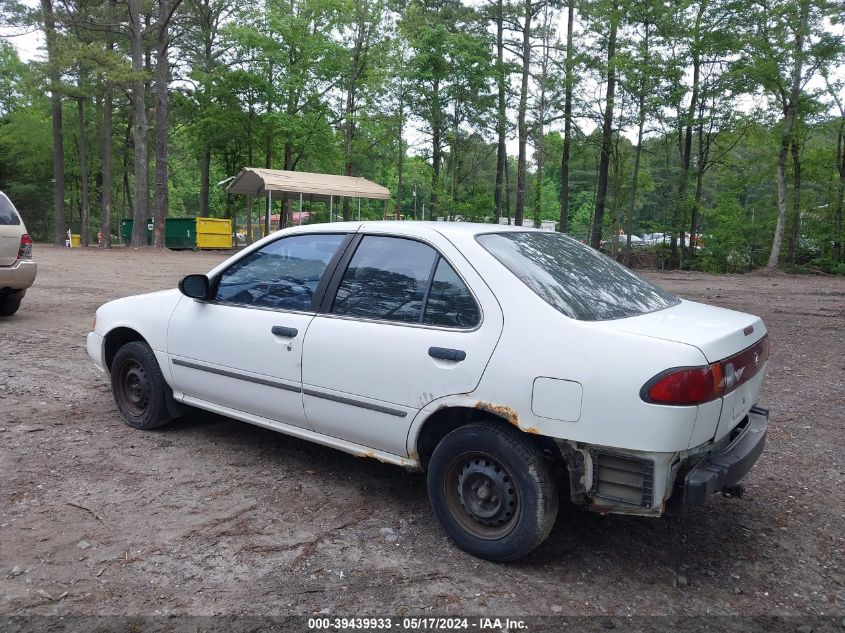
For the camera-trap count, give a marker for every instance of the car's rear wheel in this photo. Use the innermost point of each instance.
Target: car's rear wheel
(492, 491)
(9, 303)
(139, 388)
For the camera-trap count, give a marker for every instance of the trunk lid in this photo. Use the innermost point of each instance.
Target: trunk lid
(717, 332)
(11, 229)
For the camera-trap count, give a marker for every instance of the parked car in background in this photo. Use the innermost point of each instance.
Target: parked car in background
(501, 360)
(17, 269)
(652, 239)
(622, 241)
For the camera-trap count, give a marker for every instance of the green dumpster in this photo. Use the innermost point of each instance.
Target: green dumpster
(180, 233)
(126, 225)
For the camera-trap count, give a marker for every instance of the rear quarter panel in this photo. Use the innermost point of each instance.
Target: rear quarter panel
(611, 367)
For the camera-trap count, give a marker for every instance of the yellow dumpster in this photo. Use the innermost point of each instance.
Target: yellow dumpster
(214, 233)
(75, 240)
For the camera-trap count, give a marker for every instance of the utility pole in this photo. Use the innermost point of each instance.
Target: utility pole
(415, 202)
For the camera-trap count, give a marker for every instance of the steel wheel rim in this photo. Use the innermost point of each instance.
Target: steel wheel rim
(133, 388)
(482, 496)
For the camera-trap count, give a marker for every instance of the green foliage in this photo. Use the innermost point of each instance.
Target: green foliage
(732, 243)
(357, 85)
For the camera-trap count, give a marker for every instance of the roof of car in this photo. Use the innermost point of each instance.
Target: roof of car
(416, 227)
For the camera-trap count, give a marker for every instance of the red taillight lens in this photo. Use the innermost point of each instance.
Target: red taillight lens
(696, 385)
(25, 250)
(686, 386)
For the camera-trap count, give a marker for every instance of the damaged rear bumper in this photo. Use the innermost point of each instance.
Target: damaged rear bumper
(610, 480)
(728, 466)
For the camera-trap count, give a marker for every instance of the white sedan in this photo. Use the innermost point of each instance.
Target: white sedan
(512, 365)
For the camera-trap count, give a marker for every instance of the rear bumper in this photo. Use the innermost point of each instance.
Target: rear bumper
(19, 276)
(729, 465)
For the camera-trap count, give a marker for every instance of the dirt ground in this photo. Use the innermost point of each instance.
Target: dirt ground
(211, 516)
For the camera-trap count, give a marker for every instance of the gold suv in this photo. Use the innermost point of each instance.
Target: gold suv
(17, 270)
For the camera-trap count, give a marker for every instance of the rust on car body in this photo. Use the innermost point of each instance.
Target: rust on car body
(500, 410)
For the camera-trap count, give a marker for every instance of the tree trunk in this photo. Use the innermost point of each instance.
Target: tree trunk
(437, 155)
(795, 147)
(140, 127)
(629, 221)
(268, 141)
(108, 106)
(696, 206)
(790, 114)
(205, 180)
(162, 80)
(840, 194)
(567, 123)
(774, 256)
(84, 229)
(59, 221)
(522, 127)
(606, 134)
(540, 132)
(699, 181)
(686, 153)
(453, 154)
(401, 161)
(501, 111)
(286, 215)
(127, 192)
(508, 194)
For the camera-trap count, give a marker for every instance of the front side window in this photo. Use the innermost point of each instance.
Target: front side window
(282, 275)
(575, 279)
(386, 280)
(8, 215)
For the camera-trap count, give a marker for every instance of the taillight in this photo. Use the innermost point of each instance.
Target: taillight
(25, 250)
(685, 386)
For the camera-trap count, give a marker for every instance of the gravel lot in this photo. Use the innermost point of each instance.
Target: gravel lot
(212, 516)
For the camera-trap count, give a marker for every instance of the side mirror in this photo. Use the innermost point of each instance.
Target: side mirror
(194, 286)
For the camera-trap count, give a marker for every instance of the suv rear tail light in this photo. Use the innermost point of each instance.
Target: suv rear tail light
(25, 250)
(688, 386)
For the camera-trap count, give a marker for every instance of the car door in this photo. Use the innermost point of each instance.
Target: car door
(243, 349)
(401, 326)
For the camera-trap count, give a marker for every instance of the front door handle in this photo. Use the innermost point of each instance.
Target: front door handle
(445, 353)
(288, 332)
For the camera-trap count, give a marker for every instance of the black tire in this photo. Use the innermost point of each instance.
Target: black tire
(10, 303)
(139, 389)
(492, 491)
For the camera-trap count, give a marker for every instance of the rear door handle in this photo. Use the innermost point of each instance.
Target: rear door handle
(288, 332)
(445, 353)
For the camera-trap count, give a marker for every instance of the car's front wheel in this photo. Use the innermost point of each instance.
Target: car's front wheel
(139, 388)
(492, 491)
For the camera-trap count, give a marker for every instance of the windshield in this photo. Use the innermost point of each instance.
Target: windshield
(8, 216)
(574, 278)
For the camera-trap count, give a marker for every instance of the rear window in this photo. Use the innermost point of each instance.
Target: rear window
(8, 215)
(575, 279)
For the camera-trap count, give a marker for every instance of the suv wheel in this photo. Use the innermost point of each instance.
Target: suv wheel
(492, 491)
(139, 388)
(10, 302)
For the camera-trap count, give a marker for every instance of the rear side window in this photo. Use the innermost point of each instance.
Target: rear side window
(282, 275)
(450, 303)
(577, 280)
(386, 280)
(8, 215)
